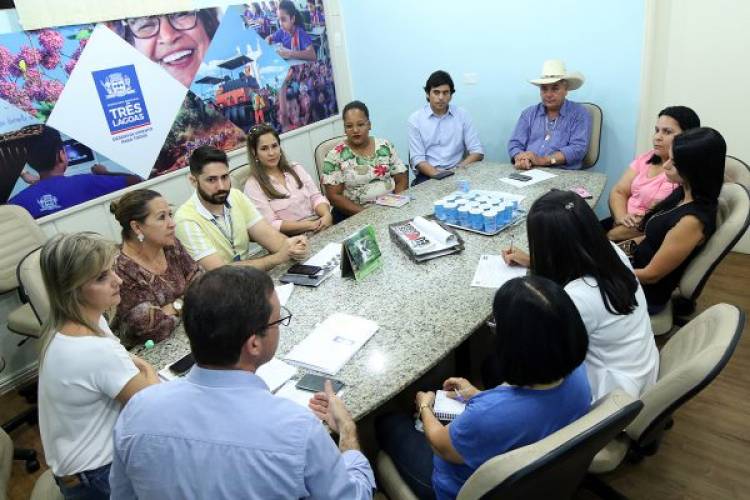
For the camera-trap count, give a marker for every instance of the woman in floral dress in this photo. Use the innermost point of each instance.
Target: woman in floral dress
(361, 167)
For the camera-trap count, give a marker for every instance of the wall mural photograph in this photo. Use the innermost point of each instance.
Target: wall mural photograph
(126, 100)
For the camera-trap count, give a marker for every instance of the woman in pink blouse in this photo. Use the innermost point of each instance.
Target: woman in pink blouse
(645, 184)
(154, 267)
(283, 192)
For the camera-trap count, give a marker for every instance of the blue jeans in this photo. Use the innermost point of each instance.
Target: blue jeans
(94, 485)
(409, 450)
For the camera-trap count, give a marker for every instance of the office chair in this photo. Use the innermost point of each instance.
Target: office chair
(732, 220)
(551, 468)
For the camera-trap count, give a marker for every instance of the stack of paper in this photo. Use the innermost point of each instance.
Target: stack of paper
(332, 343)
(535, 174)
(275, 373)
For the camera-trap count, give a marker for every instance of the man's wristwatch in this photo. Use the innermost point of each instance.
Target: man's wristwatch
(552, 160)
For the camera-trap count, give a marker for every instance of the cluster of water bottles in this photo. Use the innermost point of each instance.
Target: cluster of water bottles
(475, 210)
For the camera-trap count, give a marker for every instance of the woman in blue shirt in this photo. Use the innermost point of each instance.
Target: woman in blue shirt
(540, 345)
(294, 41)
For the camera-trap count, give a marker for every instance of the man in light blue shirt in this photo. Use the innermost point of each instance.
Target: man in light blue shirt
(219, 433)
(441, 136)
(556, 131)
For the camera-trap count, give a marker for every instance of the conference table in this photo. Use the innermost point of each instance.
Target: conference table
(424, 311)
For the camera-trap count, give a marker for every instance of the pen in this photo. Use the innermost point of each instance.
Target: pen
(512, 237)
(459, 397)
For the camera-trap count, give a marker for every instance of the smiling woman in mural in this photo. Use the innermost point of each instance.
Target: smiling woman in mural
(178, 41)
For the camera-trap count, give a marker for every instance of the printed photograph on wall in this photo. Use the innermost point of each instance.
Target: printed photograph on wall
(35, 65)
(55, 171)
(126, 100)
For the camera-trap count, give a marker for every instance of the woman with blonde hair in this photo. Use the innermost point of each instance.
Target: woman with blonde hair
(85, 375)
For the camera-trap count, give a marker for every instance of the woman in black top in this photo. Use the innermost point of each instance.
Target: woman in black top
(676, 229)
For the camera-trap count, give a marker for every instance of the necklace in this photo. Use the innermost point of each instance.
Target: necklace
(549, 127)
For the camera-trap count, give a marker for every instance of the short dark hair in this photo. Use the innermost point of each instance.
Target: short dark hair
(437, 79)
(204, 155)
(566, 242)
(43, 149)
(356, 105)
(699, 155)
(540, 336)
(223, 308)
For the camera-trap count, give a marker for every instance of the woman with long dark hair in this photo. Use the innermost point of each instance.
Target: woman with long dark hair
(283, 192)
(568, 246)
(644, 183)
(676, 229)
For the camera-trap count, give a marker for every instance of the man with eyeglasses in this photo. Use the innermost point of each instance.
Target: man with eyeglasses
(554, 132)
(219, 433)
(178, 41)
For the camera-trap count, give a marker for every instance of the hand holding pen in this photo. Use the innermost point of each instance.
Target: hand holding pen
(460, 389)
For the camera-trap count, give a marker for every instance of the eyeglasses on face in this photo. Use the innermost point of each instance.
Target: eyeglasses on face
(286, 318)
(148, 26)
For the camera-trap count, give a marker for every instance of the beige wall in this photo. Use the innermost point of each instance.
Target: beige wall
(697, 54)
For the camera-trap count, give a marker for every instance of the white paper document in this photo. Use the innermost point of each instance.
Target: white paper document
(275, 373)
(329, 255)
(535, 174)
(493, 272)
(332, 343)
(289, 391)
(284, 292)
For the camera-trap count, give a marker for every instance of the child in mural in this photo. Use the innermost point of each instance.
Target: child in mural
(178, 41)
(294, 41)
(258, 105)
(52, 191)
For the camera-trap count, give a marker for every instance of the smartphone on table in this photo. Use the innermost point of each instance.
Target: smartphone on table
(519, 177)
(316, 383)
(304, 270)
(182, 365)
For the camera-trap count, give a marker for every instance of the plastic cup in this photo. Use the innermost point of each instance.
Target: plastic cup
(439, 208)
(463, 216)
(476, 219)
(490, 220)
(451, 213)
(463, 185)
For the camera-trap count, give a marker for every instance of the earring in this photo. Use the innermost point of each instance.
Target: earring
(141, 237)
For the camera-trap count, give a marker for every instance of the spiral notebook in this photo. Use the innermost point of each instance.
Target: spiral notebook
(446, 409)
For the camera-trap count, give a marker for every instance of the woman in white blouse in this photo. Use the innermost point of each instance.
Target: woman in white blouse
(85, 375)
(568, 246)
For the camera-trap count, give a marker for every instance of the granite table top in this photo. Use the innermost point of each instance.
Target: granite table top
(423, 310)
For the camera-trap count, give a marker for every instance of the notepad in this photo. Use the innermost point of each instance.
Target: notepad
(446, 409)
(275, 373)
(493, 272)
(332, 343)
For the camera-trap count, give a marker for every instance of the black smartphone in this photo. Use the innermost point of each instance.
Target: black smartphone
(442, 174)
(315, 383)
(304, 270)
(520, 177)
(182, 365)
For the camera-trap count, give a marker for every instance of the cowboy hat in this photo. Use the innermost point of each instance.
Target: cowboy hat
(553, 71)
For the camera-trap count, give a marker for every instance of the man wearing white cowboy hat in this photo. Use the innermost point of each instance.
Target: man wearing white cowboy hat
(555, 132)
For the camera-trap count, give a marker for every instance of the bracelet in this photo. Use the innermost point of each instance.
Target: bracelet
(422, 407)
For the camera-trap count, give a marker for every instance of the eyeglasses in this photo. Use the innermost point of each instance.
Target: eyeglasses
(148, 26)
(286, 318)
